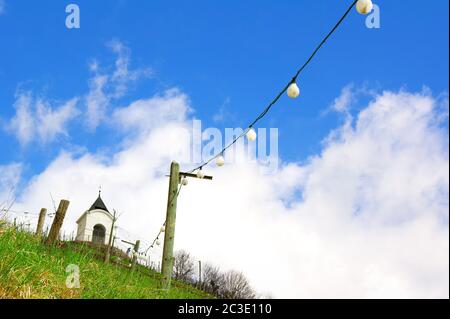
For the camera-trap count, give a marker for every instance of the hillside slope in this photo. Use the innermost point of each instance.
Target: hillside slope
(29, 269)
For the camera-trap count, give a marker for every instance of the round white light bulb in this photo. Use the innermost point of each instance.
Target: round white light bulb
(158, 243)
(184, 181)
(251, 135)
(364, 6)
(220, 161)
(293, 91)
(163, 229)
(200, 174)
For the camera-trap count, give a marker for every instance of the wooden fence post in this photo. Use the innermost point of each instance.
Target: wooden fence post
(40, 225)
(57, 222)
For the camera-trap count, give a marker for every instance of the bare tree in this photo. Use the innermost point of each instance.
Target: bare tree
(183, 266)
(231, 285)
(212, 280)
(236, 286)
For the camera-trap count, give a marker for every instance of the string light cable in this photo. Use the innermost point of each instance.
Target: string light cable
(293, 91)
(291, 88)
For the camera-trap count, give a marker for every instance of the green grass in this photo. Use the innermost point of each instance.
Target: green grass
(29, 269)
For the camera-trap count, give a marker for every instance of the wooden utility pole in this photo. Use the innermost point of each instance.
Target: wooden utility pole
(108, 249)
(41, 220)
(169, 237)
(57, 222)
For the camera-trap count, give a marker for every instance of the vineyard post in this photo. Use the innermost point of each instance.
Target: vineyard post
(57, 222)
(41, 220)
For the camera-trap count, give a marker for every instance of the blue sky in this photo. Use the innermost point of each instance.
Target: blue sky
(237, 54)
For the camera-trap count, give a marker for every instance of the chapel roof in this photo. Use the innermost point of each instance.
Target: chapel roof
(99, 204)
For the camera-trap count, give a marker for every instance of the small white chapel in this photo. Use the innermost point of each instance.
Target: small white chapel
(95, 223)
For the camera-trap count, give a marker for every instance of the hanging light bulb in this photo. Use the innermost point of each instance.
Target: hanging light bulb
(293, 90)
(364, 6)
(163, 229)
(184, 181)
(200, 173)
(220, 161)
(251, 134)
(158, 243)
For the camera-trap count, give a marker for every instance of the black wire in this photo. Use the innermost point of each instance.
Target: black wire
(325, 39)
(275, 100)
(260, 116)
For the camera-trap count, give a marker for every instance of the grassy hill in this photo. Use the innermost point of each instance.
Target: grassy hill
(29, 269)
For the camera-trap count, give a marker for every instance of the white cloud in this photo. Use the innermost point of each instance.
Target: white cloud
(123, 76)
(2, 7)
(107, 86)
(371, 220)
(23, 122)
(50, 122)
(145, 115)
(9, 179)
(36, 119)
(344, 101)
(96, 101)
(223, 114)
